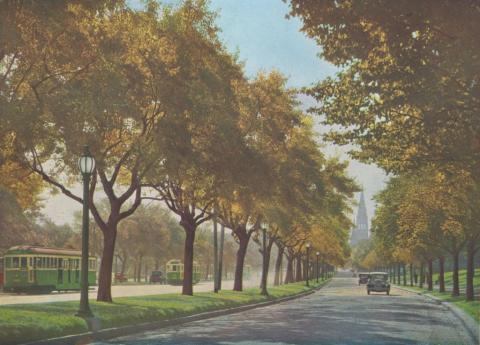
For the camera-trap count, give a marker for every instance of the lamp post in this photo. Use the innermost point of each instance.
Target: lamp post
(308, 264)
(86, 164)
(318, 254)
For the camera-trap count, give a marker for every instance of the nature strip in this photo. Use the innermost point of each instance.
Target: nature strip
(115, 332)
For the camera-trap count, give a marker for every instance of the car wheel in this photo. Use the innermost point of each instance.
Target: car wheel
(368, 292)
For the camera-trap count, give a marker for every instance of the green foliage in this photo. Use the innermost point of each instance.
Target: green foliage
(408, 91)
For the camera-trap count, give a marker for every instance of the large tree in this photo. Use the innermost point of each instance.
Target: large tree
(408, 91)
(110, 89)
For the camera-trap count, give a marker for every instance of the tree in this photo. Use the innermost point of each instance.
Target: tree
(105, 92)
(15, 227)
(408, 92)
(198, 140)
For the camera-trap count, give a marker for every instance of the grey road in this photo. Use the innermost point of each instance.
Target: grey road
(340, 313)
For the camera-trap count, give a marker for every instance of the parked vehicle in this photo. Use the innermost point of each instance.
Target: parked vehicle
(363, 278)
(378, 282)
(42, 269)
(157, 277)
(120, 278)
(174, 272)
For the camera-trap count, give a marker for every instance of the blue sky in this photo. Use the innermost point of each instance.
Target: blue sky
(264, 40)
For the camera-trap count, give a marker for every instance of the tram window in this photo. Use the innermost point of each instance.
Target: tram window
(23, 262)
(55, 262)
(15, 262)
(39, 262)
(8, 262)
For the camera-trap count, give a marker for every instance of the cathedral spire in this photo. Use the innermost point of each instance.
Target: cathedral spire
(360, 231)
(362, 218)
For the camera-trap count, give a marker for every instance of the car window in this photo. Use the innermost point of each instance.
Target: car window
(378, 277)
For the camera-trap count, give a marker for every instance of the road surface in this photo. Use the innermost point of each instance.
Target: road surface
(340, 313)
(117, 291)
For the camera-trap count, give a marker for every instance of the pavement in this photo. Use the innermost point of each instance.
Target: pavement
(117, 291)
(340, 313)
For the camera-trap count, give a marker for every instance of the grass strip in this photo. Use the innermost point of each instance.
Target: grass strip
(472, 307)
(30, 322)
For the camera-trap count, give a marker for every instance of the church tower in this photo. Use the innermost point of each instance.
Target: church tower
(360, 230)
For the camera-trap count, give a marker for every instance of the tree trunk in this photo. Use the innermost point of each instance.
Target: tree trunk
(268, 250)
(220, 256)
(430, 275)
(415, 275)
(241, 252)
(104, 293)
(422, 275)
(124, 265)
(278, 265)
(207, 271)
(456, 287)
(139, 272)
(215, 256)
(404, 268)
(298, 270)
(470, 293)
(398, 274)
(187, 288)
(441, 274)
(263, 278)
(411, 274)
(289, 274)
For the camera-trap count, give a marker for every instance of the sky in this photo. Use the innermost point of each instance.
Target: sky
(264, 39)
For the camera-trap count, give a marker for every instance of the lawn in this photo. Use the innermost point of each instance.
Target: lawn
(29, 322)
(462, 277)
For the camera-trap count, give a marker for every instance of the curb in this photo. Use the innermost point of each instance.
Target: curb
(108, 333)
(467, 321)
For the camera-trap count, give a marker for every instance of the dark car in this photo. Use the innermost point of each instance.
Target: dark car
(378, 282)
(363, 278)
(120, 278)
(157, 277)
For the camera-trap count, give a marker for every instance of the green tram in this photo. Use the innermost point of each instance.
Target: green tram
(174, 272)
(39, 269)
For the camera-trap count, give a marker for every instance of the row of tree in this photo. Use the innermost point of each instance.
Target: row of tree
(408, 99)
(170, 117)
(430, 216)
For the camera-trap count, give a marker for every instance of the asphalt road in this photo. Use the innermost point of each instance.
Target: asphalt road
(117, 291)
(340, 313)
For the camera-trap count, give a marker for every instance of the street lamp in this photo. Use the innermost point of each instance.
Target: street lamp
(308, 264)
(86, 164)
(318, 254)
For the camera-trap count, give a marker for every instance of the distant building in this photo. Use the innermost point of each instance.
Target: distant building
(360, 230)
